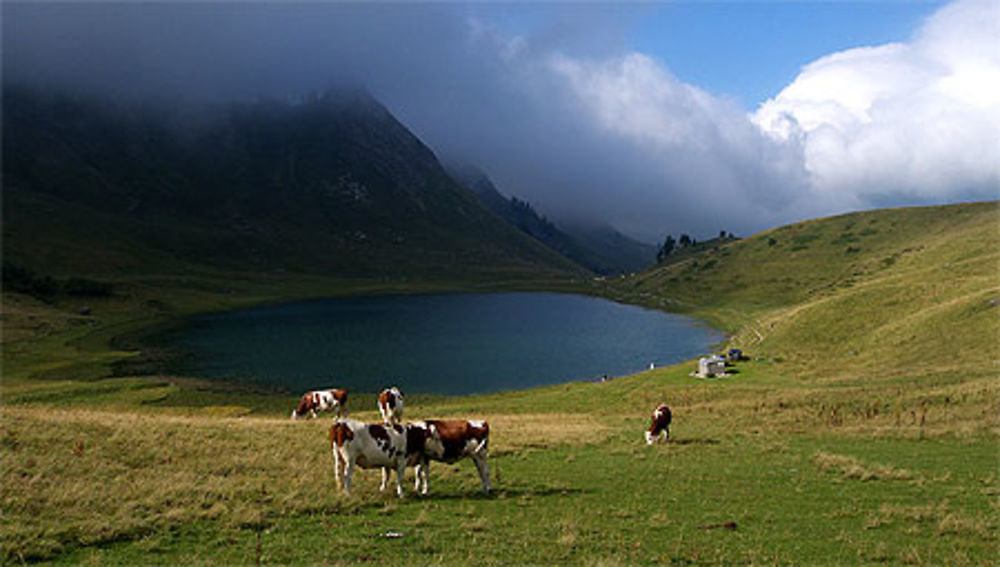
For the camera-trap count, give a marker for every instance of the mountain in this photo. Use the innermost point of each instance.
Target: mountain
(617, 252)
(600, 249)
(331, 185)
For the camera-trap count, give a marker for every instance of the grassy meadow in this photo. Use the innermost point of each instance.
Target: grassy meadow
(863, 429)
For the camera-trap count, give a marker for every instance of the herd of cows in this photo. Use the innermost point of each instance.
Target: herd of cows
(392, 446)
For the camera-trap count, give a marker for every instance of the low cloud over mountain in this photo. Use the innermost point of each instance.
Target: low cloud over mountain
(574, 121)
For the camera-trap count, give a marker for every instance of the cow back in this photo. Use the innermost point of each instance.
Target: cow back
(460, 438)
(370, 445)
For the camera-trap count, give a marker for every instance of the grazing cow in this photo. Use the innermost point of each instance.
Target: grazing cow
(369, 446)
(449, 441)
(390, 405)
(321, 400)
(660, 429)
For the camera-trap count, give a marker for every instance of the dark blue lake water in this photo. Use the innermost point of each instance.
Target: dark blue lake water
(446, 344)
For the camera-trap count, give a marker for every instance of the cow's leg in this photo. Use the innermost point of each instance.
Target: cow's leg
(336, 466)
(649, 438)
(422, 470)
(484, 471)
(400, 471)
(385, 479)
(348, 473)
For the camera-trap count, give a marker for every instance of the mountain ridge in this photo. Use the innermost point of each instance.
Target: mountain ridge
(601, 249)
(330, 185)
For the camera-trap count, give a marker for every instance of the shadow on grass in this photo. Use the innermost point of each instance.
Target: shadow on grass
(360, 503)
(505, 492)
(695, 441)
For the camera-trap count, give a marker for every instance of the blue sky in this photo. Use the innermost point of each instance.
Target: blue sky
(747, 50)
(751, 50)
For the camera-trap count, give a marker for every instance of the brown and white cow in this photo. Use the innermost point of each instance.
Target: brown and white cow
(660, 428)
(390, 405)
(321, 400)
(369, 446)
(449, 441)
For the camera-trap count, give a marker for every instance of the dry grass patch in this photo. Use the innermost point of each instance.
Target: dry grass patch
(511, 432)
(941, 517)
(852, 467)
(967, 410)
(84, 477)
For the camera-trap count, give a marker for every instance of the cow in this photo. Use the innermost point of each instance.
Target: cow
(448, 441)
(369, 446)
(390, 405)
(660, 428)
(321, 400)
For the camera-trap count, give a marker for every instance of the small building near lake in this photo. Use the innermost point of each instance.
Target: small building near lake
(711, 367)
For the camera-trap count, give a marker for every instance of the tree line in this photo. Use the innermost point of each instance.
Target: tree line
(672, 246)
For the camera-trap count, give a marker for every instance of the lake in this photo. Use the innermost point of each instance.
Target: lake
(446, 344)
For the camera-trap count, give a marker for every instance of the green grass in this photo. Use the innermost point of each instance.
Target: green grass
(819, 495)
(864, 429)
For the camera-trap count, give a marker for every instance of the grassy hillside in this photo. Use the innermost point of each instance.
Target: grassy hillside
(885, 291)
(864, 430)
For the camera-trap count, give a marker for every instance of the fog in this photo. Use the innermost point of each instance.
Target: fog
(561, 113)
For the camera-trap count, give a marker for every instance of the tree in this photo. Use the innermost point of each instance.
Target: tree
(685, 241)
(666, 249)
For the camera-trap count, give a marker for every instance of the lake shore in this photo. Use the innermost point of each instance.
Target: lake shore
(119, 339)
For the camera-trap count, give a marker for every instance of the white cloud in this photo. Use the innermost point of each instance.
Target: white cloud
(910, 122)
(914, 122)
(701, 149)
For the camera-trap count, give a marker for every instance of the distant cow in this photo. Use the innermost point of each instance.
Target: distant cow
(321, 400)
(390, 405)
(369, 446)
(660, 428)
(449, 441)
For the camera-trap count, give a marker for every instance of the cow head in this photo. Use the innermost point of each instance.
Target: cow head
(433, 444)
(340, 433)
(306, 405)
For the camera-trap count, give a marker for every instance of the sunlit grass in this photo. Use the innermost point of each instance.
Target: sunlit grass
(864, 430)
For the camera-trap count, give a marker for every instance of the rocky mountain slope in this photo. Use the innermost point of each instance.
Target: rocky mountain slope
(331, 185)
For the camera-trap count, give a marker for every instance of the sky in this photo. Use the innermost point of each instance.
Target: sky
(657, 118)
